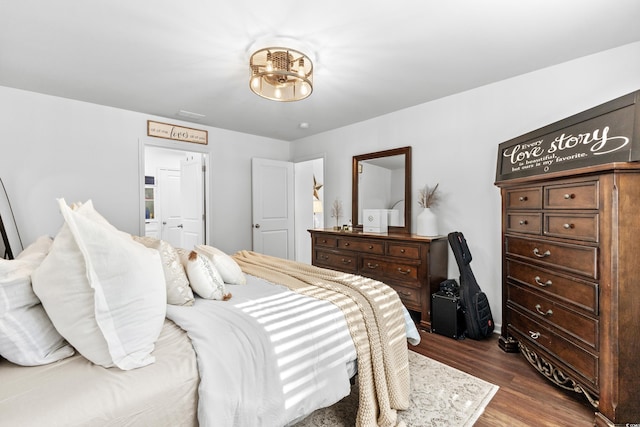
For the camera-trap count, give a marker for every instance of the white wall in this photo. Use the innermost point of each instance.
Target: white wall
(53, 147)
(455, 141)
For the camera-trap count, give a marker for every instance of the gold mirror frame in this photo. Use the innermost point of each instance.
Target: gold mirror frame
(406, 152)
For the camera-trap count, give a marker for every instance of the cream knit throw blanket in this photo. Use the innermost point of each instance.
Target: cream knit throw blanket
(374, 315)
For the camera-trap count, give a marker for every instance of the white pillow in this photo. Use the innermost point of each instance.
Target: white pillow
(229, 269)
(204, 278)
(178, 290)
(27, 336)
(103, 292)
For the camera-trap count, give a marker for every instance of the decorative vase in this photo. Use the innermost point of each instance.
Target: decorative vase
(427, 223)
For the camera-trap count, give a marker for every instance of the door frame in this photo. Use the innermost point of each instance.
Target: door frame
(301, 235)
(178, 146)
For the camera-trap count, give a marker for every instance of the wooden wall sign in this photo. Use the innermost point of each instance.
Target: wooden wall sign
(607, 133)
(177, 133)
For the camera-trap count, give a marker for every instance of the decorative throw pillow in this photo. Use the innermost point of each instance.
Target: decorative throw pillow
(229, 269)
(178, 290)
(204, 278)
(27, 336)
(103, 292)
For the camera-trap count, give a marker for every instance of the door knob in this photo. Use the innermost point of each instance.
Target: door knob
(180, 226)
(257, 226)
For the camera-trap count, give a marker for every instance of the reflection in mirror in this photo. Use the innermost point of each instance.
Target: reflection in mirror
(382, 180)
(10, 243)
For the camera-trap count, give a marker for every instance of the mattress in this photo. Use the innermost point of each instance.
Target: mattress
(74, 392)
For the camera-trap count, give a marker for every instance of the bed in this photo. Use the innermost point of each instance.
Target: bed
(270, 342)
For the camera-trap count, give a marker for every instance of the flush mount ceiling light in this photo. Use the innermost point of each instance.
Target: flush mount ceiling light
(281, 74)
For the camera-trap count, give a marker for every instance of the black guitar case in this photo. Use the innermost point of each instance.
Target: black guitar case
(474, 302)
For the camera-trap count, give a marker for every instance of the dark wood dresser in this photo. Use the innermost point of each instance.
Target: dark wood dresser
(413, 265)
(571, 260)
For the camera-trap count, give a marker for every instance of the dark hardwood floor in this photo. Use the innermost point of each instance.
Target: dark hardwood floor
(525, 397)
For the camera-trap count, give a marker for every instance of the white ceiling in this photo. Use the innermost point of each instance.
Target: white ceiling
(371, 58)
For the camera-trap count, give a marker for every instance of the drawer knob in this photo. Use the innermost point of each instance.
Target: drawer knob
(324, 240)
(402, 251)
(373, 266)
(404, 294)
(523, 198)
(537, 253)
(346, 244)
(544, 313)
(539, 282)
(568, 226)
(534, 335)
(523, 222)
(346, 261)
(401, 271)
(569, 196)
(370, 246)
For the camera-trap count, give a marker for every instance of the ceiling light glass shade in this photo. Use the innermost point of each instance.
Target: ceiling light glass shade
(281, 74)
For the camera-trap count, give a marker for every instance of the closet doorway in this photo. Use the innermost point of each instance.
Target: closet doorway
(175, 187)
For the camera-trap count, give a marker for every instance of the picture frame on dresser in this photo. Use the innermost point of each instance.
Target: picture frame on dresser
(569, 254)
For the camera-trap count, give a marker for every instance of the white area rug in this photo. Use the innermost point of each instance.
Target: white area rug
(441, 396)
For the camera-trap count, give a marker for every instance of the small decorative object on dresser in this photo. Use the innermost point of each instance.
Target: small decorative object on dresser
(336, 212)
(414, 266)
(570, 254)
(427, 220)
(374, 221)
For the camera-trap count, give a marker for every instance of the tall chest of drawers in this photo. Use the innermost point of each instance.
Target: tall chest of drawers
(414, 266)
(571, 282)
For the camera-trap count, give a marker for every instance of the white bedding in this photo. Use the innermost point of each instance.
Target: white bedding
(303, 342)
(286, 359)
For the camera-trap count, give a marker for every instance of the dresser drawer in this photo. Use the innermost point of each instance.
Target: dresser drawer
(403, 250)
(580, 361)
(573, 226)
(330, 242)
(524, 222)
(409, 296)
(344, 261)
(362, 245)
(548, 311)
(583, 195)
(386, 269)
(573, 258)
(580, 293)
(524, 198)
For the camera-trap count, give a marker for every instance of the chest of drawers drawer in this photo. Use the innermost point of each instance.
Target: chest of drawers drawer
(576, 359)
(388, 269)
(571, 290)
(403, 250)
(572, 226)
(581, 195)
(342, 260)
(523, 222)
(361, 245)
(577, 259)
(550, 312)
(409, 296)
(524, 198)
(325, 241)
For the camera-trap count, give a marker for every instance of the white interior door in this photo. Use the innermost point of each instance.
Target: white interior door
(273, 207)
(169, 189)
(191, 191)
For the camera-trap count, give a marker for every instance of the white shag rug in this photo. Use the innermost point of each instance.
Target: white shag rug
(441, 396)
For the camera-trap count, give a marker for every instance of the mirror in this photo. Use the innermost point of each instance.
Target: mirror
(10, 243)
(382, 180)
